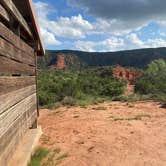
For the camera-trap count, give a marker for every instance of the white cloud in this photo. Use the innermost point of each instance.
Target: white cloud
(69, 27)
(131, 41)
(156, 43)
(76, 27)
(134, 39)
(128, 13)
(42, 10)
(73, 27)
(162, 34)
(109, 44)
(85, 45)
(49, 39)
(113, 43)
(161, 22)
(121, 31)
(115, 27)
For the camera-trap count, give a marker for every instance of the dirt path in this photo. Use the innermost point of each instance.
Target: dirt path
(129, 90)
(108, 134)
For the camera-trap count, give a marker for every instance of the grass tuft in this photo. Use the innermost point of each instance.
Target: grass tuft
(57, 150)
(38, 156)
(65, 155)
(137, 117)
(100, 108)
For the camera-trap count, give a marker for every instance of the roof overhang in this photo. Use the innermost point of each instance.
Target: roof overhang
(41, 50)
(26, 8)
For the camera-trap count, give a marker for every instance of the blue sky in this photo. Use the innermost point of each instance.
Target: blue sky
(102, 25)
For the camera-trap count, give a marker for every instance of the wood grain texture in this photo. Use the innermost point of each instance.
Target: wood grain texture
(10, 99)
(7, 118)
(10, 140)
(9, 66)
(4, 13)
(9, 84)
(21, 123)
(15, 12)
(12, 52)
(15, 40)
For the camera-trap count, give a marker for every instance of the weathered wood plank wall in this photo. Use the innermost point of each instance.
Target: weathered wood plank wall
(15, 40)
(14, 11)
(12, 52)
(10, 84)
(18, 101)
(4, 13)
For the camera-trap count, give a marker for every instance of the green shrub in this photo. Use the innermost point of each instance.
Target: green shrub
(154, 81)
(68, 101)
(52, 105)
(78, 87)
(38, 156)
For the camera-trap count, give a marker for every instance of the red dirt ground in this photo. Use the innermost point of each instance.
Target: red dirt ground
(108, 134)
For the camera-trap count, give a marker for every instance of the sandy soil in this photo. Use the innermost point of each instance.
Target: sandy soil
(108, 134)
(129, 90)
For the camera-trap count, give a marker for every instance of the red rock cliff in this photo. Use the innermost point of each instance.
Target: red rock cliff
(60, 63)
(131, 75)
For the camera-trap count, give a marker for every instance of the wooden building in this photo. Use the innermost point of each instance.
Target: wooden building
(20, 44)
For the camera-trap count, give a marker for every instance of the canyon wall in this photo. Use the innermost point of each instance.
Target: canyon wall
(129, 74)
(69, 61)
(59, 64)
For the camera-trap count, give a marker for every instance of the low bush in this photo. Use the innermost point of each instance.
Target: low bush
(83, 87)
(153, 83)
(68, 101)
(38, 156)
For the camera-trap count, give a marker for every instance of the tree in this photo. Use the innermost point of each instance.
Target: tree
(154, 80)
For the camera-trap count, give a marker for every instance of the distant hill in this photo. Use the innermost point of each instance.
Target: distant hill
(133, 58)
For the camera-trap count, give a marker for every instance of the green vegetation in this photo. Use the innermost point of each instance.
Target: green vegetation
(57, 150)
(153, 83)
(133, 97)
(132, 58)
(95, 85)
(62, 156)
(152, 86)
(88, 86)
(137, 117)
(100, 108)
(44, 157)
(38, 156)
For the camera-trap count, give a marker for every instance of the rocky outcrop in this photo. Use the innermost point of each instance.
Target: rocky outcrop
(134, 58)
(68, 61)
(129, 74)
(60, 63)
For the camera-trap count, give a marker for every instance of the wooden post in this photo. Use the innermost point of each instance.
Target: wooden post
(37, 97)
(34, 125)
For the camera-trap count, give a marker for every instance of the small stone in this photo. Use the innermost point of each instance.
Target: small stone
(91, 148)
(80, 142)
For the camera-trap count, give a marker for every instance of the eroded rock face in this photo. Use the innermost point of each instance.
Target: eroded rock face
(60, 63)
(69, 61)
(131, 75)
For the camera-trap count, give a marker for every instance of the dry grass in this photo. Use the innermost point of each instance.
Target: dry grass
(136, 117)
